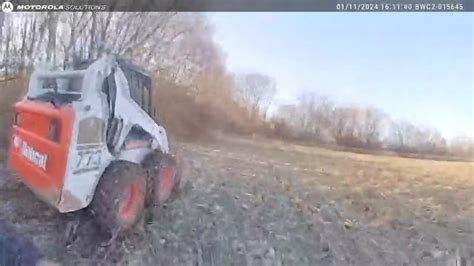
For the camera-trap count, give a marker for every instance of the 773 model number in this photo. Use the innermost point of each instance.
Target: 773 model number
(88, 160)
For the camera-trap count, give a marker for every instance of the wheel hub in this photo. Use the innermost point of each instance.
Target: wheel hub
(129, 203)
(167, 179)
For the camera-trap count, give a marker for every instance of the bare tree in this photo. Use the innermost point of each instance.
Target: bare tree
(178, 45)
(430, 141)
(404, 135)
(345, 128)
(92, 35)
(52, 19)
(462, 146)
(8, 41)
(2, 19)
(316, 112)
(371, 127)
(256, 90)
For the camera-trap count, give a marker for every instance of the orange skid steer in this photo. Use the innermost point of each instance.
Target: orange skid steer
(87, 138)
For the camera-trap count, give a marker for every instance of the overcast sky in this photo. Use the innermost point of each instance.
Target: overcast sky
(414, 66)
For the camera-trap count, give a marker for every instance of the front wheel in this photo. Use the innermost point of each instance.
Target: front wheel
(120, 197)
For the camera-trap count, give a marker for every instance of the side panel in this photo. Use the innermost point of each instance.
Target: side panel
(88, 158)
(88, 154)
(38, 161)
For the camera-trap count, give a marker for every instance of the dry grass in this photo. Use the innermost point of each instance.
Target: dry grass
(192, 114)
(392, 202)
(422, 187)
(178, 112)
(264, 202)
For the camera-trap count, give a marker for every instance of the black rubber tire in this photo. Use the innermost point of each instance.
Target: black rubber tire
(113, 190)
(179, 174)
(152, 165)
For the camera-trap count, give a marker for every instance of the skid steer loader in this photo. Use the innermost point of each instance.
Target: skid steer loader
(87, 138)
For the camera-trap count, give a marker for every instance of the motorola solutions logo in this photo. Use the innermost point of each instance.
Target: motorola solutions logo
(7, 6)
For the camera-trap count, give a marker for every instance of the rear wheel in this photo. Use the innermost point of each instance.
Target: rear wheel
(163, 178)
(120, 197)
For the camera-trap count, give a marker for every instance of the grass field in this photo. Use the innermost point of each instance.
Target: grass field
(265, 202)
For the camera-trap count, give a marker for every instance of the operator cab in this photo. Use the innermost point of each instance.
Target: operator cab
(139, 83)
(65, 87)
(57, 89)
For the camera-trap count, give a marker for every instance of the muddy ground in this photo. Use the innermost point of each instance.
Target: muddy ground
(261, 202)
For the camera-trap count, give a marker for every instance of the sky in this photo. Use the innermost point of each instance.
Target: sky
(414, 66)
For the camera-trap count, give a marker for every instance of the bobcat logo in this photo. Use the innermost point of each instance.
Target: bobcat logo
(28, 152)
(7, 6)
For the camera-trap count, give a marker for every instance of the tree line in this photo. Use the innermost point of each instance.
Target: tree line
(195, 93)
(318, 118)
(175, 44)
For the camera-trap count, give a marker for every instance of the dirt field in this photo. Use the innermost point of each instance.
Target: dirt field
(261, 202)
